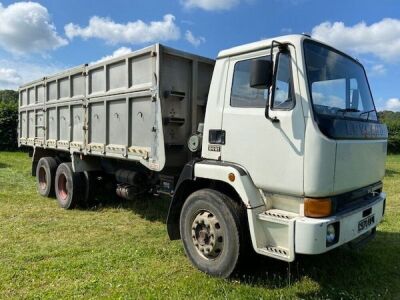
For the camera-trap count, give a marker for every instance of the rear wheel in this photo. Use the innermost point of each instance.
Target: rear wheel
(210, 226)
(69, 186)
(45, 176)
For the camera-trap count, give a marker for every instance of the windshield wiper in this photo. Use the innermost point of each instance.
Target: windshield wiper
(367, 112)
(346, 110)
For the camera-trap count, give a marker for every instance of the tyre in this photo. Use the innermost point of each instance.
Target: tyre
(45, 176)
(210, 226)
(70, 186)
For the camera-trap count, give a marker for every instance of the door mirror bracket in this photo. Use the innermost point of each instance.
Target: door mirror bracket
(262, 75)
(272, 119)
(282, 48)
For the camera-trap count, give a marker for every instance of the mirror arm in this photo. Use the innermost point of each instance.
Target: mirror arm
(282, 48)
(272, 119)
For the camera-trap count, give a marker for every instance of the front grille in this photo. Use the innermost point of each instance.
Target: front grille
(355, 199)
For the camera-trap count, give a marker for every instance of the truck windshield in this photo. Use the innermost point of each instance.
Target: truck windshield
(337, 84)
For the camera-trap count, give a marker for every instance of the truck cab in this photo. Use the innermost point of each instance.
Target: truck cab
(292, 128)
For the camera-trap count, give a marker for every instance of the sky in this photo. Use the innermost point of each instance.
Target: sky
(43, 37)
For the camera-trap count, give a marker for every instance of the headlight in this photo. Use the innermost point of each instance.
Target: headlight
(330, 234)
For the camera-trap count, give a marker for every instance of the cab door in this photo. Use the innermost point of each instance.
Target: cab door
(271, 152)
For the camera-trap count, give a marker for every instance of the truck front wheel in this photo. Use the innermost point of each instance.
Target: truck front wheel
(210, 226)
(69, 186)
(45, 174)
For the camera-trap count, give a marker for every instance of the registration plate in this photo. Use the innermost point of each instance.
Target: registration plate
(366, 223)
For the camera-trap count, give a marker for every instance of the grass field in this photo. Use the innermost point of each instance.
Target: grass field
(122, 250)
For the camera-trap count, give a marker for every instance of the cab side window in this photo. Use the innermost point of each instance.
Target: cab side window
(242, 95)
(283, 98)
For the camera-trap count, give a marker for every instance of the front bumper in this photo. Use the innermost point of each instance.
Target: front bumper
(310, 233)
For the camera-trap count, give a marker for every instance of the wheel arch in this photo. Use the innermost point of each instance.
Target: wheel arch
(38, 153)
(190, 181)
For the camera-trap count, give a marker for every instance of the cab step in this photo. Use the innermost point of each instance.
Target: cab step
(277, 252)
(278, 240)
(277, 216)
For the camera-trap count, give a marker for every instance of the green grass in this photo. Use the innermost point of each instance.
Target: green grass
(122, 251)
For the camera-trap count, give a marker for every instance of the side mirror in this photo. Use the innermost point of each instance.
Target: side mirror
(261, 74)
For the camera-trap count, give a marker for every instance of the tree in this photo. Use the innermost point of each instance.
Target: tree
(8, 120)
(392, 120)
(8, 96)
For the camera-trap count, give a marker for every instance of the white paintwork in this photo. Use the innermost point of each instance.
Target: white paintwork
(311, 233)
(259, 45)
(277, 232)
(333, 167)
(291, 157)
(262, 232)
(319, 162)
(271, 152)
(297, 235)
(358, 163)
(286, 161)
(243, 184)
(287, 203)
(215, 106)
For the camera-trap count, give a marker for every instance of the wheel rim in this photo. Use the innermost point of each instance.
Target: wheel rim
(42, 178)
(62, 187)
(207, 235)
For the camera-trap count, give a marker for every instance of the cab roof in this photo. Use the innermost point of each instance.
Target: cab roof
(263, 44)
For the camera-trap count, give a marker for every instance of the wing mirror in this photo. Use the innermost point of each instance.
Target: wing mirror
(261, 74)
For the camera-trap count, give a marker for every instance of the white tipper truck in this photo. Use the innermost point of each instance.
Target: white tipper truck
(275, 146)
